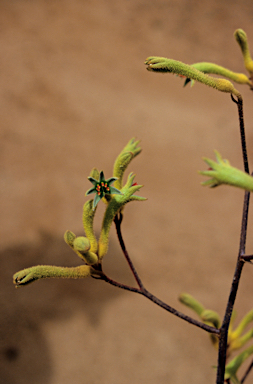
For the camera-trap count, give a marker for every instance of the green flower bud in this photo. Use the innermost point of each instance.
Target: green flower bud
(162, 64)
(69, 238)
(114, 206)
(211, 317)
(248, 318)
(88, 218)
(29, 275)
(215, 69)
(192, 303)
(81, 244)
(90, 257)
(126, 155)
(242, 40)
(233, 366)
(208, 316)
(239, 342)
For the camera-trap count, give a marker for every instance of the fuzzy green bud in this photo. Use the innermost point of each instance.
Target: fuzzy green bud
(242, 40)
(191, 302)
(233, 366)
(88, 218)
(29, 275)
(124, 158)
(162, 64)
(90, 257)
(114, 206)
(239, 342)
(69, 238)
(248, 318)
(211, 317)
(210, 68)
(81, 244)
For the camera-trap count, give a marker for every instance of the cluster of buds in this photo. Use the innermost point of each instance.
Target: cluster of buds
(90, 249)
(237, 337)
(201, 71)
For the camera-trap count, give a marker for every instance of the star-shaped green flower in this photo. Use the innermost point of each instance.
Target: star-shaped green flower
(102, 187)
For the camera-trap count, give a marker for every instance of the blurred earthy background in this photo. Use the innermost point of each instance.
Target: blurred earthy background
(73, 91)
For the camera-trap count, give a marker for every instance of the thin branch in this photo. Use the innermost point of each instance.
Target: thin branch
(247, 372)
(143, 291)
(118, 221)
(240, 262)
(239, 103)
(163, 305)
(247, 258)
(233, 293)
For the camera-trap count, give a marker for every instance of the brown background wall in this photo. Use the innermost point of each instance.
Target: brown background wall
(73, 91)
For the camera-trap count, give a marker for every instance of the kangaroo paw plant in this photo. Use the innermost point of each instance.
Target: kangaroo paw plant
(115, 195)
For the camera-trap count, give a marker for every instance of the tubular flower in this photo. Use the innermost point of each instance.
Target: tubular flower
(223, 173)
(163, 65)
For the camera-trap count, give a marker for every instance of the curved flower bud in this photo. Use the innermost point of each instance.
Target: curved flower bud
(214, 69)
(223, 173)
(212, 317)
(81, 246)
(233, 366)
(29, 275)
(114, 206)
(126, 155)
(88, 218)
(240, 341)
(162, 64)
(235, 340)
(242, 40)
(208, 316)
(69, 238)
(248, 318)
(191, 302)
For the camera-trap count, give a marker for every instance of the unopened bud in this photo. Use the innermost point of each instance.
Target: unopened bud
(90, 257)
(69, 238)
(212, 317)
(81, 244)
(192, 303)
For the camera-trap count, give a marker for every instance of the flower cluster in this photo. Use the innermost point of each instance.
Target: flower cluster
(237, 337)
(90, 249)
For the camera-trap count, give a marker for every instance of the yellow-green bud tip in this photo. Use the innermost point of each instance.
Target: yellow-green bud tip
(81, 244)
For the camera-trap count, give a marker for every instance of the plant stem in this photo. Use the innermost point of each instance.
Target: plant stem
(247, 258)
(118, 221)
(232, 295)
(239, 103)
(240, 262)
(155, 300)
(143, 291)
(247, 372)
